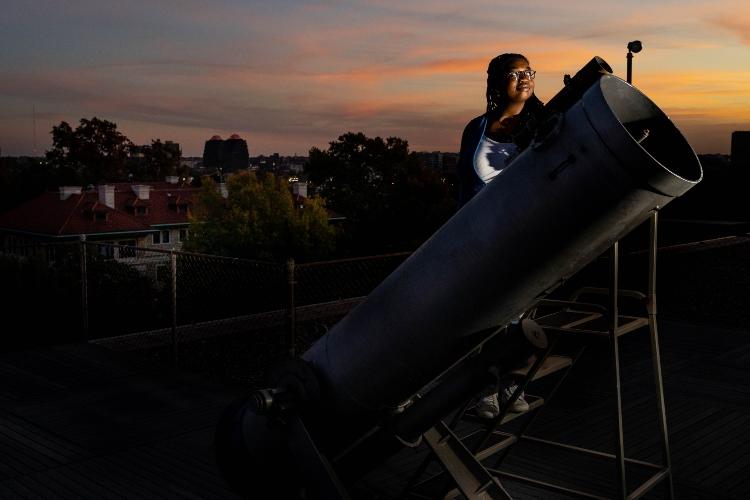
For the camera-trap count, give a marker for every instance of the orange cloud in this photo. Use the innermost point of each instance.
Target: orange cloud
(721, 97)
(739, 25)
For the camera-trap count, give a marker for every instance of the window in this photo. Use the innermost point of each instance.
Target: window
(106, 250)
(183, 234)
(141, 211)
(160, 237)
(100, 216)
(127, 249)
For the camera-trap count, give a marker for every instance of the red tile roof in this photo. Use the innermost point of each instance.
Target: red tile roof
(48, 215)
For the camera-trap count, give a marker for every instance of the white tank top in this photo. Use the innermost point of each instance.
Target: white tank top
(492, 157)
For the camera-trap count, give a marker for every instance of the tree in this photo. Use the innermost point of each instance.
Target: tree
(160, 159)
(94, 152)
(391, 201)
(258, 220)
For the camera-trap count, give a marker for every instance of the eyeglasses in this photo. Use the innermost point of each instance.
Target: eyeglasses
(516, 75)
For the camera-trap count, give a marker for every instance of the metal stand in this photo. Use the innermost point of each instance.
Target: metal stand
(573, 317)
(472, 479)
(665, 469)
(619, 325)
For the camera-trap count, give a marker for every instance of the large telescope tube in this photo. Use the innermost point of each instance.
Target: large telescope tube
(605, 157)
(596, 173)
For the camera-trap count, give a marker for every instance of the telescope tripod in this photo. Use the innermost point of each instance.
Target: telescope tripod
(295, 450)
(464, 456)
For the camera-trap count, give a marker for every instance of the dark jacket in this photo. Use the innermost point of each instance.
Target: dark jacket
(469, 182)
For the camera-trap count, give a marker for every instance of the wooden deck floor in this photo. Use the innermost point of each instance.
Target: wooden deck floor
(707, 388)
(80, 422)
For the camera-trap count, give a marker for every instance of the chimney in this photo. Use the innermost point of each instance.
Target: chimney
(107, 195)
(172, 179)
(141, 191)
(68, 191)
(222, 187)
(299, 188)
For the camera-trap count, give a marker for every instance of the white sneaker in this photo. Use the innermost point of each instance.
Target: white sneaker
(519, 405)
(488, 407)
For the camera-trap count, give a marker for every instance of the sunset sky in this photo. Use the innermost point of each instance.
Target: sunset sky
(289, 75)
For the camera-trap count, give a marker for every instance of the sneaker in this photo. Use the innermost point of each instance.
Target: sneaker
(519, 405)
(487, 407)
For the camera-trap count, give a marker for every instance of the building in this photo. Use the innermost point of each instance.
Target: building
(235, 154)
(191, 162)
(432, 160)
(450, 162)
(212, 153)
(741, 150)
(143, 215)
(279, 165)
(443, 163)
(300, 196)
(226, 155)
(140, 151)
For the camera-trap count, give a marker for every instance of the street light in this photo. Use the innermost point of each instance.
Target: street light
(633, 47)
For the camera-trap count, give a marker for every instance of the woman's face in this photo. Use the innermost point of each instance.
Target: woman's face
(518, 85)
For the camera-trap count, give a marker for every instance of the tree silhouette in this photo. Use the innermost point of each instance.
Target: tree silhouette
(390, 200)
(92, 153)
(160, 159)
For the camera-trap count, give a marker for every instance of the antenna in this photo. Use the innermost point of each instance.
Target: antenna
(33, 113)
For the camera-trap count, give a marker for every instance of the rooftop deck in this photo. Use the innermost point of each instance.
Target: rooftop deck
(707, 387)
(81, 422)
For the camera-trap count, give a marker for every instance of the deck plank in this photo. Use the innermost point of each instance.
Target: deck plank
(81, 422)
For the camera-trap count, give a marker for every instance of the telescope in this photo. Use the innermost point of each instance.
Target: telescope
(600, 160)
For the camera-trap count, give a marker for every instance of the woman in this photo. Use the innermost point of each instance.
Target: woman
(489, 143)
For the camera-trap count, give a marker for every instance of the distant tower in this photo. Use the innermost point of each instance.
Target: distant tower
(229, 155)
(33, 112)
(741, 150)
(212, 157)
(236, 155)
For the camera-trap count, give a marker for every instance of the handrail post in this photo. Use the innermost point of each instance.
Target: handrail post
(173, 261)
(291, 282)
(84, 288)
(614, 291)
(655, 354)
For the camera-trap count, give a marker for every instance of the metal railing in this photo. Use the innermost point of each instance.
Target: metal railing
(187, 309)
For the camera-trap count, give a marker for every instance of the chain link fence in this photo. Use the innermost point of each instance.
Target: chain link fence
(325, 291)
(234, 318)
(231, 317)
